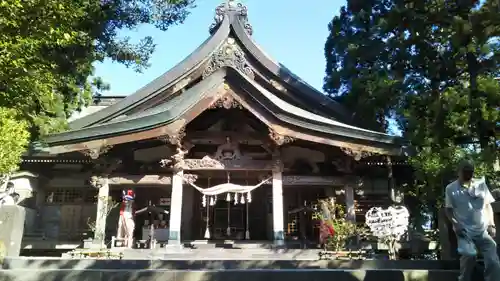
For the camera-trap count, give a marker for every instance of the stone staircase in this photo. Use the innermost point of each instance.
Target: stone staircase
(30, 269)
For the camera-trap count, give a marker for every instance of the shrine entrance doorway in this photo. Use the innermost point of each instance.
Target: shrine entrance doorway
(229, 220)
(233, 215)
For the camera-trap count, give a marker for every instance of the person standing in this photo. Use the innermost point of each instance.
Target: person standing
(468, 206)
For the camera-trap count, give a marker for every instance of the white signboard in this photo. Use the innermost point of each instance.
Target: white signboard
(164, 202)
(390, 222)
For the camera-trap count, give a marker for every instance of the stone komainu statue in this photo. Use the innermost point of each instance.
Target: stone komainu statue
(9, 197)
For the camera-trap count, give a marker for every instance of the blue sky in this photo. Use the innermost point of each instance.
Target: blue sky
(291, 32)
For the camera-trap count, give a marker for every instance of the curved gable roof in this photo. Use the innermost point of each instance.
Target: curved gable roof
(277, 112)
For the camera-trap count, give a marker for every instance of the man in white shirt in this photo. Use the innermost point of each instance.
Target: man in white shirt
(468, 206)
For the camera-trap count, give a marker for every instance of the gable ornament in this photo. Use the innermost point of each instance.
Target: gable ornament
(229, 55)
(236, 9)
(227, 101)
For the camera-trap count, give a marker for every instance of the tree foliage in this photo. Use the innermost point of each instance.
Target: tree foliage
(48, 48)
(14, 138)
(430, 66)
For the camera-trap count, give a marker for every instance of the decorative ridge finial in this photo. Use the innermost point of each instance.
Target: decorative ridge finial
(231, 7)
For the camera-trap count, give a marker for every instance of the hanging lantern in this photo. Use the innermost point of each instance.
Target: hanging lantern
(212, 201)
(228, 197)
(236, 199)
(242, 199)
(249, 197)
(204, 201)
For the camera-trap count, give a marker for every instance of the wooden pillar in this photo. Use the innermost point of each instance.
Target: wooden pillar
(176, 201)
(390, 181)
(350, 207)
(278, 221)
(102, 209)
(176, 209)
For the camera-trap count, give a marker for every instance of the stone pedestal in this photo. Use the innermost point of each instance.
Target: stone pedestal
(11, 230)
(496, 210)
(447, 237)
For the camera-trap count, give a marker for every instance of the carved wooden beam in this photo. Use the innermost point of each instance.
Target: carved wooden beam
(104, 167)
(219, 137)
(97, 181)
(356, 154)
(293, 180)
(140, 179)
(208, 163)
(279, 139)
(175, 138)
(190, 178)
(95, 153)
(344, 164)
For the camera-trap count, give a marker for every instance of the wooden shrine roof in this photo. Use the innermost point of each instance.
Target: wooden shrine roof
(228, 69)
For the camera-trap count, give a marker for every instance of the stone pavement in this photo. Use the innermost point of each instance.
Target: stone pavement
(171, 253)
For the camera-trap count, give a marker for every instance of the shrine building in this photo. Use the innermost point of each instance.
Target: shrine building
(228, 141)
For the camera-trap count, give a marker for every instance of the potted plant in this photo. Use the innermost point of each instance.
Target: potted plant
(335, 229)
(88, 239)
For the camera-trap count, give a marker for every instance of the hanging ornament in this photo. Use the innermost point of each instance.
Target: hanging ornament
(228, 197)
(236, 199)
(204, 201)
(249, 197)
(212, 201)
(242, 199)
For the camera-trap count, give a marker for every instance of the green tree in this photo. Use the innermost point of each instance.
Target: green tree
(14, 138)
(48, 48)
(433, 74)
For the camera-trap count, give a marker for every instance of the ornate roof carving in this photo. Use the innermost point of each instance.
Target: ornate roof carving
(279, 139)
(227, 101)
(95, 153)
(356, 153)
(175, 138)
(236, 9)
(229, 55)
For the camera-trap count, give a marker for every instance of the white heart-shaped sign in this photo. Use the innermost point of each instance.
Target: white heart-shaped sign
(392, 221)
